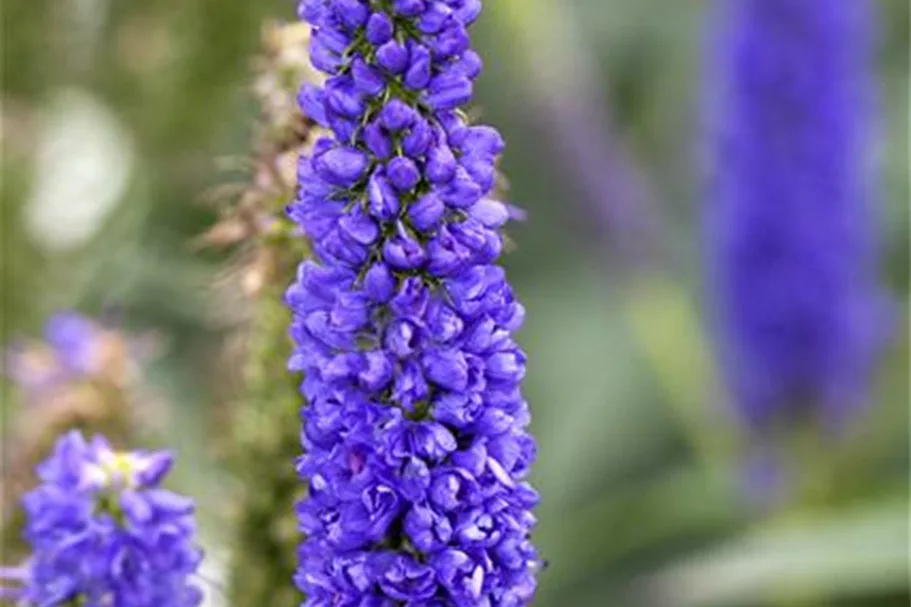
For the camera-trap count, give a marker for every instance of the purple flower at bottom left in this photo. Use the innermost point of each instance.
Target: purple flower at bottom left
(103, 532)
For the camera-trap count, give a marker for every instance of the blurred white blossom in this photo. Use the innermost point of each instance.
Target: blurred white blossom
(83, 163)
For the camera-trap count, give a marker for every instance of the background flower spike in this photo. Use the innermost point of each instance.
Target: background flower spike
(102, 531)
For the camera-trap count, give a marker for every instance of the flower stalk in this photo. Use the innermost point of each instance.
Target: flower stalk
(265, 434)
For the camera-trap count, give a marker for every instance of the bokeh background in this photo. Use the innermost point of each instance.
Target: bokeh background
(119, 119)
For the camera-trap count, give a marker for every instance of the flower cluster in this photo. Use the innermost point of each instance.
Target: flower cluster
(75, 349)
(82, 374)
(414, 433)
(103, 533)
(790, 228)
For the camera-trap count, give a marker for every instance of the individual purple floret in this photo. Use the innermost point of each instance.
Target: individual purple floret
(414, 433)
(103, 533)
(790, 237)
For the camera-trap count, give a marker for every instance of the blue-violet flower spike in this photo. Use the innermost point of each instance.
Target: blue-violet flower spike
(790, 226)
(102, 532)
(415, 440)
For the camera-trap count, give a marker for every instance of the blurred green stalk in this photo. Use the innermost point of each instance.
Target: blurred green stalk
(266, 440)
(265, 437)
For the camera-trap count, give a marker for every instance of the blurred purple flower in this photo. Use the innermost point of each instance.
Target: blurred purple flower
(71, 350)
(75, 341)
(75, 348)
(790, 222)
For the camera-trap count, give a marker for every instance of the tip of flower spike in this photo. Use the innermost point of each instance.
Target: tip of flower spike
(94, 465)
(90, 523)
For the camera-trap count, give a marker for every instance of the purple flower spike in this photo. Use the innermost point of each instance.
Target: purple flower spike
(415, 442)
(103, 532)
(790, 232)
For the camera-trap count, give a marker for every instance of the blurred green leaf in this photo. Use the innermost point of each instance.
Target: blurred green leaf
(851, 553)
(665, 324)
(677, 504)
(588, 418)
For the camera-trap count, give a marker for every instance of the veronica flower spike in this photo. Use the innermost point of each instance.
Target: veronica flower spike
(415, 441)
(791, 233)
(103, 533)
